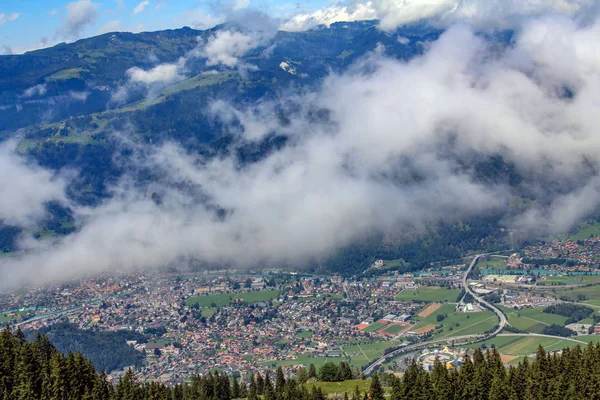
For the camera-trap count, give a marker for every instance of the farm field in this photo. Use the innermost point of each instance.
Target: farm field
(430, 309)
(225, 299)
(578, 294)
(434, 294)
(532, 319)
(569, 280)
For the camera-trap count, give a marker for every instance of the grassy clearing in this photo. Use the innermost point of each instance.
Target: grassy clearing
(342, 387)
(225, 299)
(394, 263)
(304, 335)
(65, 74)
(532, 319)
(198, 81)
(208, 312)
(496, 263)
(428, 293)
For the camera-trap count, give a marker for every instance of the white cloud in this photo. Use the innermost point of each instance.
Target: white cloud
(379, 148)
(226, 47)
(327, 16)
(111, 26)
(4, 18)
(240, 4)
(163, 74)
(394, 13)
(80, 14)
(200, 19)
(37, 90)
(141, 6)
(25, 188)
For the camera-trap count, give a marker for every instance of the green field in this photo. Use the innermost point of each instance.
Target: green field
(432, 294)
(529, 345)
(208, 312)
(394, 329)
(225, 299)
(497, 342)
(304, 335)
(394, 263)
(587, 293)
(569, 280)
(492, 263)
(342, 387)
(532, 319)
(375, 326)
(4, 318)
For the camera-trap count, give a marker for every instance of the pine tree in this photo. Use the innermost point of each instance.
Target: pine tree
(280, 382)
(252, 391)
(235, 389)
(312, 371)
(302, 376)
(376, 390)
(260, 384)
(356, 393)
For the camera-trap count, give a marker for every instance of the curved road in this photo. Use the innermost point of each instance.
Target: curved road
(476, 338)
(500, 314)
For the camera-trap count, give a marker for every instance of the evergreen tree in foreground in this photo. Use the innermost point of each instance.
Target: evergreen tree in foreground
(38, 371)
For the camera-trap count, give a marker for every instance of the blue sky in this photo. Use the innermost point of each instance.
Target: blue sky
(30, 24)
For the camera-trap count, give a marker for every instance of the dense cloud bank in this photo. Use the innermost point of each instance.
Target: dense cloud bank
(386, 145)
(484, 14)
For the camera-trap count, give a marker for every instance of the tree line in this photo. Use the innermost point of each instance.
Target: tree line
(37, 370)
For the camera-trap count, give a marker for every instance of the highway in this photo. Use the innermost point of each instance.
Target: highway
(500, 314)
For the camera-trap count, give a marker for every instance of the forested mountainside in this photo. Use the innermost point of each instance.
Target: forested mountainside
(37, 370)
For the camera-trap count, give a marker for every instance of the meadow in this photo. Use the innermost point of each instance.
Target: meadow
(532, 319)
(428, 294)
